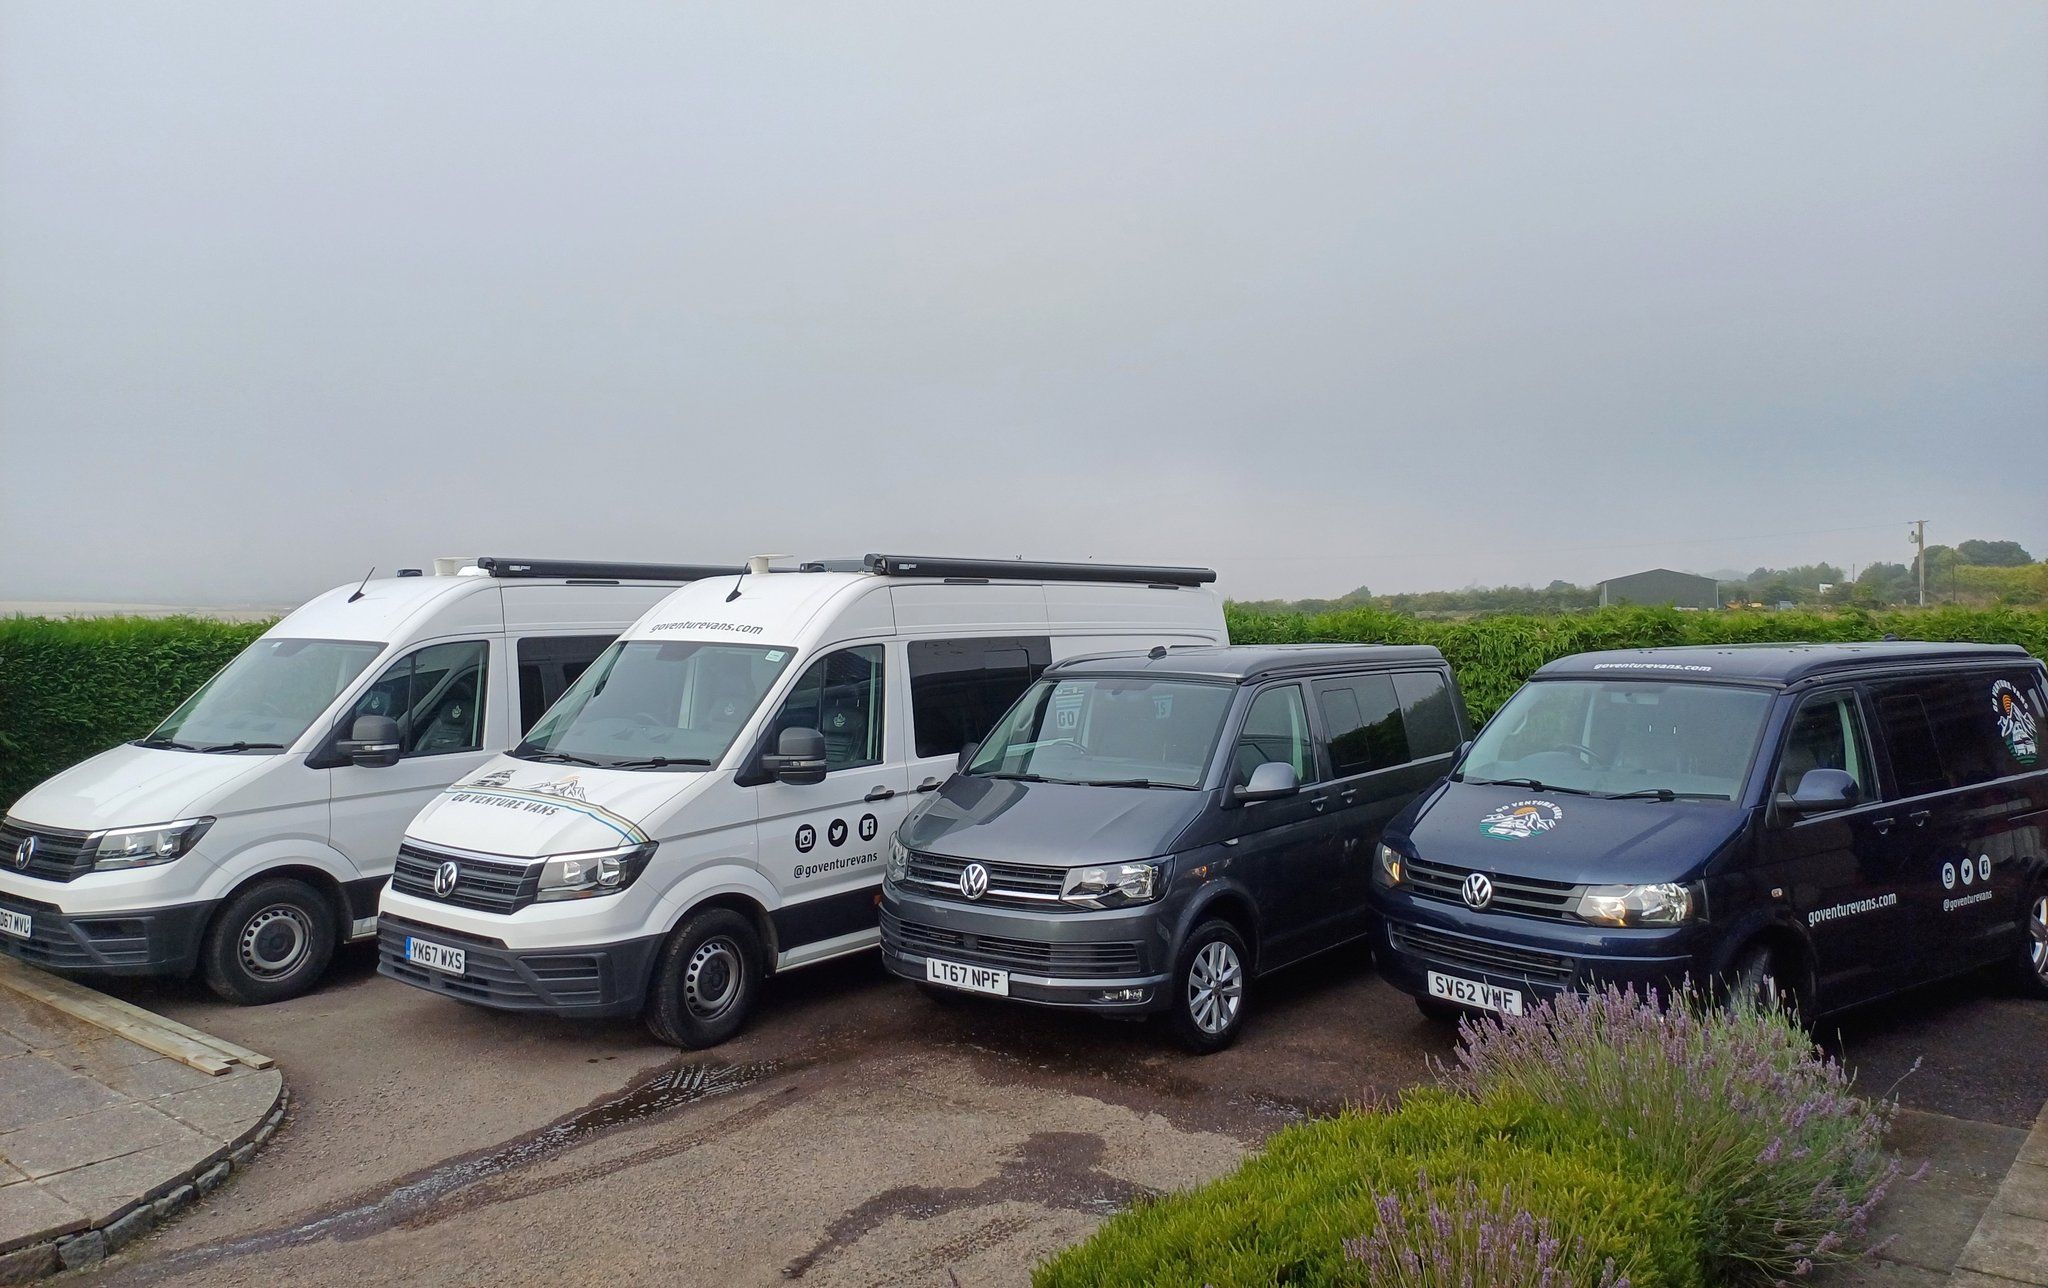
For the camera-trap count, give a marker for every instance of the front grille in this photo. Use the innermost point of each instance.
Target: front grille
(490, 973)
(1010, 885)
(59, 855)
(1527, 896)
(51, 942)
(485, 885)
(1093, 960)
(1441, 948)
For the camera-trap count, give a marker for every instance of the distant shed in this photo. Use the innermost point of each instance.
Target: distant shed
(1662, 586)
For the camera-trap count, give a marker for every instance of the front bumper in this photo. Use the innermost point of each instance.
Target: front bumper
(141, 941)
(592, 981)
(1541, 959)
(1117, 962)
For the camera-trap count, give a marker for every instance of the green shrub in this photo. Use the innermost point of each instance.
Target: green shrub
(1493, 655)
(1736, 1107)
(1285, 1216)
(72, 688)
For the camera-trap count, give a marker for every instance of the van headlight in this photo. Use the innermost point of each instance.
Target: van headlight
(1662, 904)
(1390, 866)
(591, 873)
(1116, 885)
(899, 862)
(119, 848)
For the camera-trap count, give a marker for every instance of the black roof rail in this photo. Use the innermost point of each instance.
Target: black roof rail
(1028, 570)
(595, 570)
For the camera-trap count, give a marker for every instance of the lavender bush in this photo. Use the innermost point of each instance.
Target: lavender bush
(1439, 1236)
(1783, 1163)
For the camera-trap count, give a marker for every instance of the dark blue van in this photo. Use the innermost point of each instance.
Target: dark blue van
(1813, 824)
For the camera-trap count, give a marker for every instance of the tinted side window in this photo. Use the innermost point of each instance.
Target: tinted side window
(1427, 713)
(436, 694)
(548, 665)
(840, 695)
(960, 688)
(1826, 734)
(1909, 736)
(1275, 729)
(2018, 710)
(1362, 719)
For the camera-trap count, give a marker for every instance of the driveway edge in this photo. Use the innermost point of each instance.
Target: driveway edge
(2010, 1245)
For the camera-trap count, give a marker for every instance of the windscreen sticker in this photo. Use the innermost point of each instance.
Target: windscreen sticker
(1853, 908)
(1650, 666)
(2016, 724)
(1067, 700)
(546, 800)
(1522, 820)
(736, 628)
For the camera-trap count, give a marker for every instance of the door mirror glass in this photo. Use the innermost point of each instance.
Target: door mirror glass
(1269, 782)
(373, 742)
(798, 758)
(1821, 790)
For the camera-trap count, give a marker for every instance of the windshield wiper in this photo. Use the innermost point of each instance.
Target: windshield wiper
(1529, 783)
(1020, 778)
(561, 756)
(165, 742)
(1665, 794)
(1128, 782)
(656, 762)
(244, 746)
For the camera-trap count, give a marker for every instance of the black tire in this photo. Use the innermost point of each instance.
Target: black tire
(1209, 988)
(2029, 971)
(1762, 978)
(1435, 1008)
(705, 980)
(270, 942)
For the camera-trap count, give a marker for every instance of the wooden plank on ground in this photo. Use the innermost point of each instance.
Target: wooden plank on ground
(201, 1051)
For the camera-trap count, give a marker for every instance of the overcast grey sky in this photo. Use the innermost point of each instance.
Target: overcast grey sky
(1410, 296)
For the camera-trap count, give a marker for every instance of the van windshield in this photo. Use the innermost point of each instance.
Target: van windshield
(1122, 731)
(657, 704)
(264, 699)
(1623, 737)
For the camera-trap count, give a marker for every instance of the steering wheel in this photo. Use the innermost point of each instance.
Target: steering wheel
(1592, 758)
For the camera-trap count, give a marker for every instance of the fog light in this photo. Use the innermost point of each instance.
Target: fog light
(1122, 995)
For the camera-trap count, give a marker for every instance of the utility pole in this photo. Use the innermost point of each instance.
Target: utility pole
(1919, 538)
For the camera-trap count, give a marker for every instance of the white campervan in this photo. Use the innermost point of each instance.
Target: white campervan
(711, 801)
(249, 834)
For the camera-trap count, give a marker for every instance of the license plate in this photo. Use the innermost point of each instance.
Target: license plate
(434, 956)
(975, 979)
(14, 923)
(1470, 992)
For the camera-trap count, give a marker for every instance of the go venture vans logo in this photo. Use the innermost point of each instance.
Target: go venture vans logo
(2016, 724)
(1522, 820)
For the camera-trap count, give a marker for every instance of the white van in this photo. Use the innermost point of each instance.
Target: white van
(712, 800)
(249, 834)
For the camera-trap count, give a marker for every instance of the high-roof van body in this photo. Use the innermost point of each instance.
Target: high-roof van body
(712, 801)
(1818, 824)
(247, 835)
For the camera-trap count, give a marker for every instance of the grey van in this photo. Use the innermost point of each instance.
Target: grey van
(1144, 833)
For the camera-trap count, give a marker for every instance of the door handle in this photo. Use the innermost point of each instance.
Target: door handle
(1920, 817)
(878, 794)
(1320, 803)
(1349, 794)
(1882, 826)
(928, 785)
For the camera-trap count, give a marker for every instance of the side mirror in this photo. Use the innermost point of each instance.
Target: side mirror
(798, 758)
(966, 757)
(1458, 760)
(373, 742)
(1821, 790)
(1269, 782)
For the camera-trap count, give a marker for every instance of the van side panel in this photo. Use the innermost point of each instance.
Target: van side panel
(1181, 614)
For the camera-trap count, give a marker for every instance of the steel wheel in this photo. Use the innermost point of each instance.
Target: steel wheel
(1215, 988)
(711, 982)
(275, 941)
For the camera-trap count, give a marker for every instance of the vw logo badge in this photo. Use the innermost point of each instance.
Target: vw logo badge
(974, 881)
(444, 878)
(23, 853)
(1478, 890)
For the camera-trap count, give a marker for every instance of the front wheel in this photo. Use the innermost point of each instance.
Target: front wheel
(2030, 962)
(270, 942)
(705, 980)
(1762, 979)
(1209, 988)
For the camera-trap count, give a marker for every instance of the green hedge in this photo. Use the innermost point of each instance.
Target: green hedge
(72, 688)
(1493, 655)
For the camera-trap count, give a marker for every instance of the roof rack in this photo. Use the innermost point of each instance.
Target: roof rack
(1027, 570)
(590, 570)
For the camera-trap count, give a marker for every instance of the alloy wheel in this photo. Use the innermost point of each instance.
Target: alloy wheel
(2037, 936)
(1215, 987)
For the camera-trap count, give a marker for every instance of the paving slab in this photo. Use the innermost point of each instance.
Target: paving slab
(2010, 1245)
(93, 1127)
